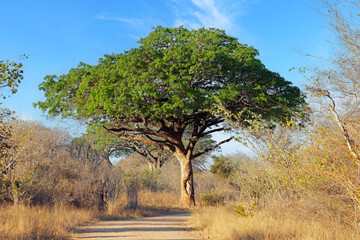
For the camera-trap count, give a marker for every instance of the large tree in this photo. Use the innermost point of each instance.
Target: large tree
(175, 81)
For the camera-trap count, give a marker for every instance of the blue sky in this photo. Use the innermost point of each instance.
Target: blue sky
(57, 35)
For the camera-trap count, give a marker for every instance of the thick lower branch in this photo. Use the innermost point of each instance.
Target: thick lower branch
(212, 131)
(211, 148)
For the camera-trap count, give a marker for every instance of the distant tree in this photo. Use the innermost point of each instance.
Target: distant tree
(155, 156)
(112, 145)
(84, 150)
(177, 80)
(222, 166)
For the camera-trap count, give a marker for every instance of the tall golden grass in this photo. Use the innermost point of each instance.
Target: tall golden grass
(150, 204)
(223, 223)
(159, 199)
(56, 222)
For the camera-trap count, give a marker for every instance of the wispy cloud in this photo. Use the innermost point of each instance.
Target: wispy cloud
(193, 14)
(212, 15)
(113, 17)
(207, 13)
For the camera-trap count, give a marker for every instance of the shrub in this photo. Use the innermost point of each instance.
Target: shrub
(211, 199)
(222, 166)
(150, 180)
(241, 211)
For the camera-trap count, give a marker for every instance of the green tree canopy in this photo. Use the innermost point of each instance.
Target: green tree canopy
(176, 79)
(174, 72)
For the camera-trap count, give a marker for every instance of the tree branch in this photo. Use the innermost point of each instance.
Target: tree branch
(134, 138)
(349, 142)
(211, 148)
(8, 167)
(212, 131)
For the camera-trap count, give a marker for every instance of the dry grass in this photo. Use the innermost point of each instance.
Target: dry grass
(223, 223)
(158, 199)
(150, 204)
(41, 222)
(59, 221)
(117, 210)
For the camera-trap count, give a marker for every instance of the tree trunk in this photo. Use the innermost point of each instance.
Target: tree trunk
(105, 160)
(158, 164)
(153, 166)
(132, 193)
(187, 198)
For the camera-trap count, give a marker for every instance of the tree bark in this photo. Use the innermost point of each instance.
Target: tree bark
(153, 166)
(187, 198)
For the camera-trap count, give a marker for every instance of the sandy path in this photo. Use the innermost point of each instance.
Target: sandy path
(164, 227)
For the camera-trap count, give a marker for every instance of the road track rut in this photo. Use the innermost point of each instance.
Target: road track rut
(163, 227)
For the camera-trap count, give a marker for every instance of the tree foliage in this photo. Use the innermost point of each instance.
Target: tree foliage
(11, 74)
(174, 73)
(222, 166)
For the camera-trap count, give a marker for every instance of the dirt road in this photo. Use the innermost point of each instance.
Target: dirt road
(164, 227)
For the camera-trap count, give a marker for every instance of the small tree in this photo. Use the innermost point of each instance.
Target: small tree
(177, 80)
(89, 150)
(222, 166)
(11, 74)
(337, 90)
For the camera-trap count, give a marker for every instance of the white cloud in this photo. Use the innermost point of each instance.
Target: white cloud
(112, 17)
(208, 13)
(211, 15)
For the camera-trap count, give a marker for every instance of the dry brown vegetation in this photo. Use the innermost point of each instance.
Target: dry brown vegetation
(290, 192)
(57, 222)
(50, 188)
(271, 201)
(265, 224)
